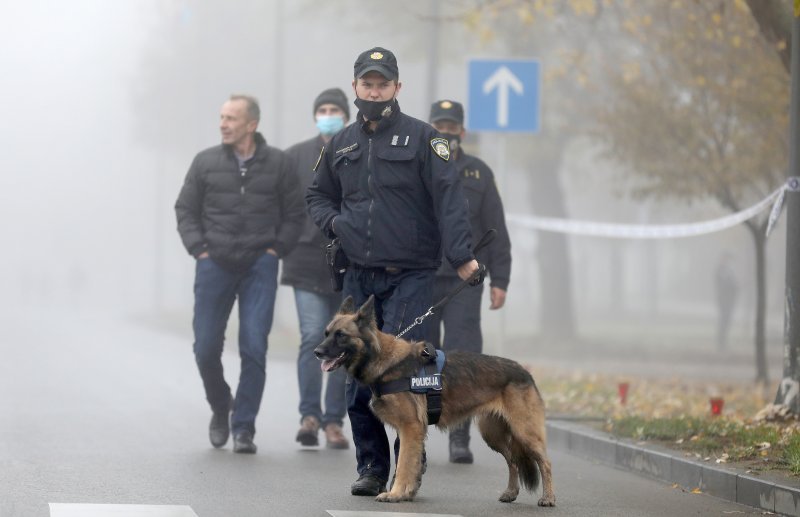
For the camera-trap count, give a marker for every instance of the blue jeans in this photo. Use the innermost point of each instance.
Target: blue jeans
(399, 299)
(215, 290)
(315, 311)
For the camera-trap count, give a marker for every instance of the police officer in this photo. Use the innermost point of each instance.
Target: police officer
(461, 316)
(386, 187)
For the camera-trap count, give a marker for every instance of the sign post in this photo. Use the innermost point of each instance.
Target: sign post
(503, 97)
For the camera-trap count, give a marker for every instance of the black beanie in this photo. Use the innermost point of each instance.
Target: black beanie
(333, 96)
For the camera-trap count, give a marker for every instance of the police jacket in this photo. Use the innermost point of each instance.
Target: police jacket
(485, 212)
(392, 198)
(236, 214)
(304, 267)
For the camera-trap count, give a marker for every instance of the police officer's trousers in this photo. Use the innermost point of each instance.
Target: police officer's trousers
(400, 297)
(461, 317)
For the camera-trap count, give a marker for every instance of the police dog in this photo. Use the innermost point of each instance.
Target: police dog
(497, 392)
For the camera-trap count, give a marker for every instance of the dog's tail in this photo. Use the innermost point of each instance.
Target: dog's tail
(525, 459)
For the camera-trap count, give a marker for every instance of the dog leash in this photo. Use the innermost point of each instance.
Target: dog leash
(475, 279)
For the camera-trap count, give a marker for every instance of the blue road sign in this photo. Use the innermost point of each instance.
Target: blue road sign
(503, 95)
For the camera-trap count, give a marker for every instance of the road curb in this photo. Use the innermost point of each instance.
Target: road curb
(665, 465)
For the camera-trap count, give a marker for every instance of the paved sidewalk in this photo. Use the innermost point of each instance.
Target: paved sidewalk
(772, 492)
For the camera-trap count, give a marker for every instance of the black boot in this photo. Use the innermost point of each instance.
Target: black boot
(459, 444)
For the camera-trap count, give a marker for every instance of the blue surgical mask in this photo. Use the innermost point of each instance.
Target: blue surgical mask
(329, 125)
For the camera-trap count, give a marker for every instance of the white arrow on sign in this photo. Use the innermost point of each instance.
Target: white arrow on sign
(502, 79)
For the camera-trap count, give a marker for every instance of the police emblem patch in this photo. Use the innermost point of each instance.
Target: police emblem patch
(376, 55)
(441, 147)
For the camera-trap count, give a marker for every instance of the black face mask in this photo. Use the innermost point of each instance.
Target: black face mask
(375, 110)
(454, 140)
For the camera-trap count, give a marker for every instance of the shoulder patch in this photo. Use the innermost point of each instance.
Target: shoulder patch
(319, 158)
(441, 147)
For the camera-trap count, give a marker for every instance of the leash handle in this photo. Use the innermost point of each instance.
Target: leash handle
(479, 274)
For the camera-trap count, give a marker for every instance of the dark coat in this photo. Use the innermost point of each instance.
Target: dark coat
(395, 201)
(236, 215)
(485, 212)
(304, 268)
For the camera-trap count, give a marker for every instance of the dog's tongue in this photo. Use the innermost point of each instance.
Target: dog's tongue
(327, 364)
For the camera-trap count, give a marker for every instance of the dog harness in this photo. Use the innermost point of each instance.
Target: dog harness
(428, 381)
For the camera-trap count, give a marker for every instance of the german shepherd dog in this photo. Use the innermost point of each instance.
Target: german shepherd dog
(497, 392)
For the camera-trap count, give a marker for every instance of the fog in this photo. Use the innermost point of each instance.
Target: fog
(106, 104)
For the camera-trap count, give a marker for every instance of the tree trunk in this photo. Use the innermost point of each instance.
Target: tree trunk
(757, 231)
(790, 382)
(774, 19)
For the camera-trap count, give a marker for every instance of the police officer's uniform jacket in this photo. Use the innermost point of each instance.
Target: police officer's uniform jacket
(396, 202)
(485, 212)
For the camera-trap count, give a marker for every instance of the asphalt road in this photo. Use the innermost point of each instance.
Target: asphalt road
(97, 410)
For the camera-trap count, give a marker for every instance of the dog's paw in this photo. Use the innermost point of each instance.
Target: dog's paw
(509, 496)
(395, 496)
(547, 501)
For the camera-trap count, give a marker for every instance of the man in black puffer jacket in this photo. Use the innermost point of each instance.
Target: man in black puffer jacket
(240, 209)
(316, 301)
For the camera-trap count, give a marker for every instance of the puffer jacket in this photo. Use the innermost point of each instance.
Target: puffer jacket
(235, 213)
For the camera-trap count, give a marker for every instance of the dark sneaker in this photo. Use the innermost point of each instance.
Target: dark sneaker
(368, 485)
(459, 444)
(307, 435)
(243, 443)
(220, 427)
(460, 453)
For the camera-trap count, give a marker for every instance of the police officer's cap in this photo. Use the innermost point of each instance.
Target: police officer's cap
(379, 60)
(447, 110)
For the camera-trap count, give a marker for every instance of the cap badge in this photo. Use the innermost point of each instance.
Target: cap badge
(376, 55)
(446, 105)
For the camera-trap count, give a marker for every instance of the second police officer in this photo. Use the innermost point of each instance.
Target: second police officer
(461, 316)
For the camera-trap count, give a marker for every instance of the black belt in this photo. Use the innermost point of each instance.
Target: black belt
(388, 269)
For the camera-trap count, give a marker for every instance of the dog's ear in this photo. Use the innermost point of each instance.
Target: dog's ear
(348, 306)
(366, 314)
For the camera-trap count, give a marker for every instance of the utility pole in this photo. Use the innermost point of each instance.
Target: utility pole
(789, 389)
(433, 54)
(278, 76)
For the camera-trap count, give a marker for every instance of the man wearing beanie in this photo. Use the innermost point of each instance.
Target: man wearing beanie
(316, 302)
(386, 187)
(461, 317)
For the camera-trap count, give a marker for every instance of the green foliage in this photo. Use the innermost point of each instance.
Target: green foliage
(716, 437)
(792, 454)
